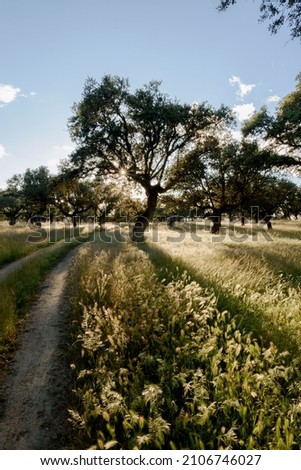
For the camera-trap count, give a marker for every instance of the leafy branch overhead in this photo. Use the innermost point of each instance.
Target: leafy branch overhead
(279, 13)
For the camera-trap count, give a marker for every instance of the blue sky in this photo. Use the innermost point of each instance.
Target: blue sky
(48, 48)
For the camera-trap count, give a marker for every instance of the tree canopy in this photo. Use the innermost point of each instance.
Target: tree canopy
(32, 189)
(72, 196)
(137, 134)
(11, 206)
(224, 176)
(283, 130)
(278, 13)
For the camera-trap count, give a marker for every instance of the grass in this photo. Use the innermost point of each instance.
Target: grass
(20, 287)
(282, 229)
(159, 363)
(21, 240)
(186, 341)
(257, 280)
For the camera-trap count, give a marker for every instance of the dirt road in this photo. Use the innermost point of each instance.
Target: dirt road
(35, 391)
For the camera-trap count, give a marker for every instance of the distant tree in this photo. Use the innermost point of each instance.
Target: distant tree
(221, 176)
(34, 188)
(127, 208)
(176, 202)
(15, 184)
(72, 197)
(135, 134)
(280, 197)
(289, 197)
(293, 206)
(278, 12)
(283, 130)
(11, 206)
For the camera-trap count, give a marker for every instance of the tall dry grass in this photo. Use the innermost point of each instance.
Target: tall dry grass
(257, 278)
(158, 366)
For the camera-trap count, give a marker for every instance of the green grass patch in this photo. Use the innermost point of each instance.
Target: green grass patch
(20, 287)
(17, 242)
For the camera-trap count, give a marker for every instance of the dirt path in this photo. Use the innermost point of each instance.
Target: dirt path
(36, 387)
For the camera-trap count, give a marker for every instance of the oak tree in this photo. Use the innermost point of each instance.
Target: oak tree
(223, 176)
(136, 134)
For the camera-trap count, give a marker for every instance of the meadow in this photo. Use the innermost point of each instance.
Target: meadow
(19, 287)
(188, 340)
(22, 239)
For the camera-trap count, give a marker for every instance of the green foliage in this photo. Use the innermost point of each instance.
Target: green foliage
(33, 188)
(72, 196)
(137, 134)
(159, 367)
(283, 129)
(11, 206)
(222, 175)
(36, 190)
(127, 208)
(278, 13)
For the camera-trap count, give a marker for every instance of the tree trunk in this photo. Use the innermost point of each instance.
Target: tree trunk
(216, 219)
(143, 220)
(12, 220)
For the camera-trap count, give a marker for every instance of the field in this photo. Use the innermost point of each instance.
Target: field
(33, 251)
(189, 340)
(22, 239)
(186, 341)
(255, 275)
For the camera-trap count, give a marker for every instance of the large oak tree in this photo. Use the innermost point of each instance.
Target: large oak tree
(137, 134)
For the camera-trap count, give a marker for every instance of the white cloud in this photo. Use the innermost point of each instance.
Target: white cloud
(273, 99)
(243, 88)
(8, 93)
(244, 111)
(2, 151)
(32, 93)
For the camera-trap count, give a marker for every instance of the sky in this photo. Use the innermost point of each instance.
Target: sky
(48, 49)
